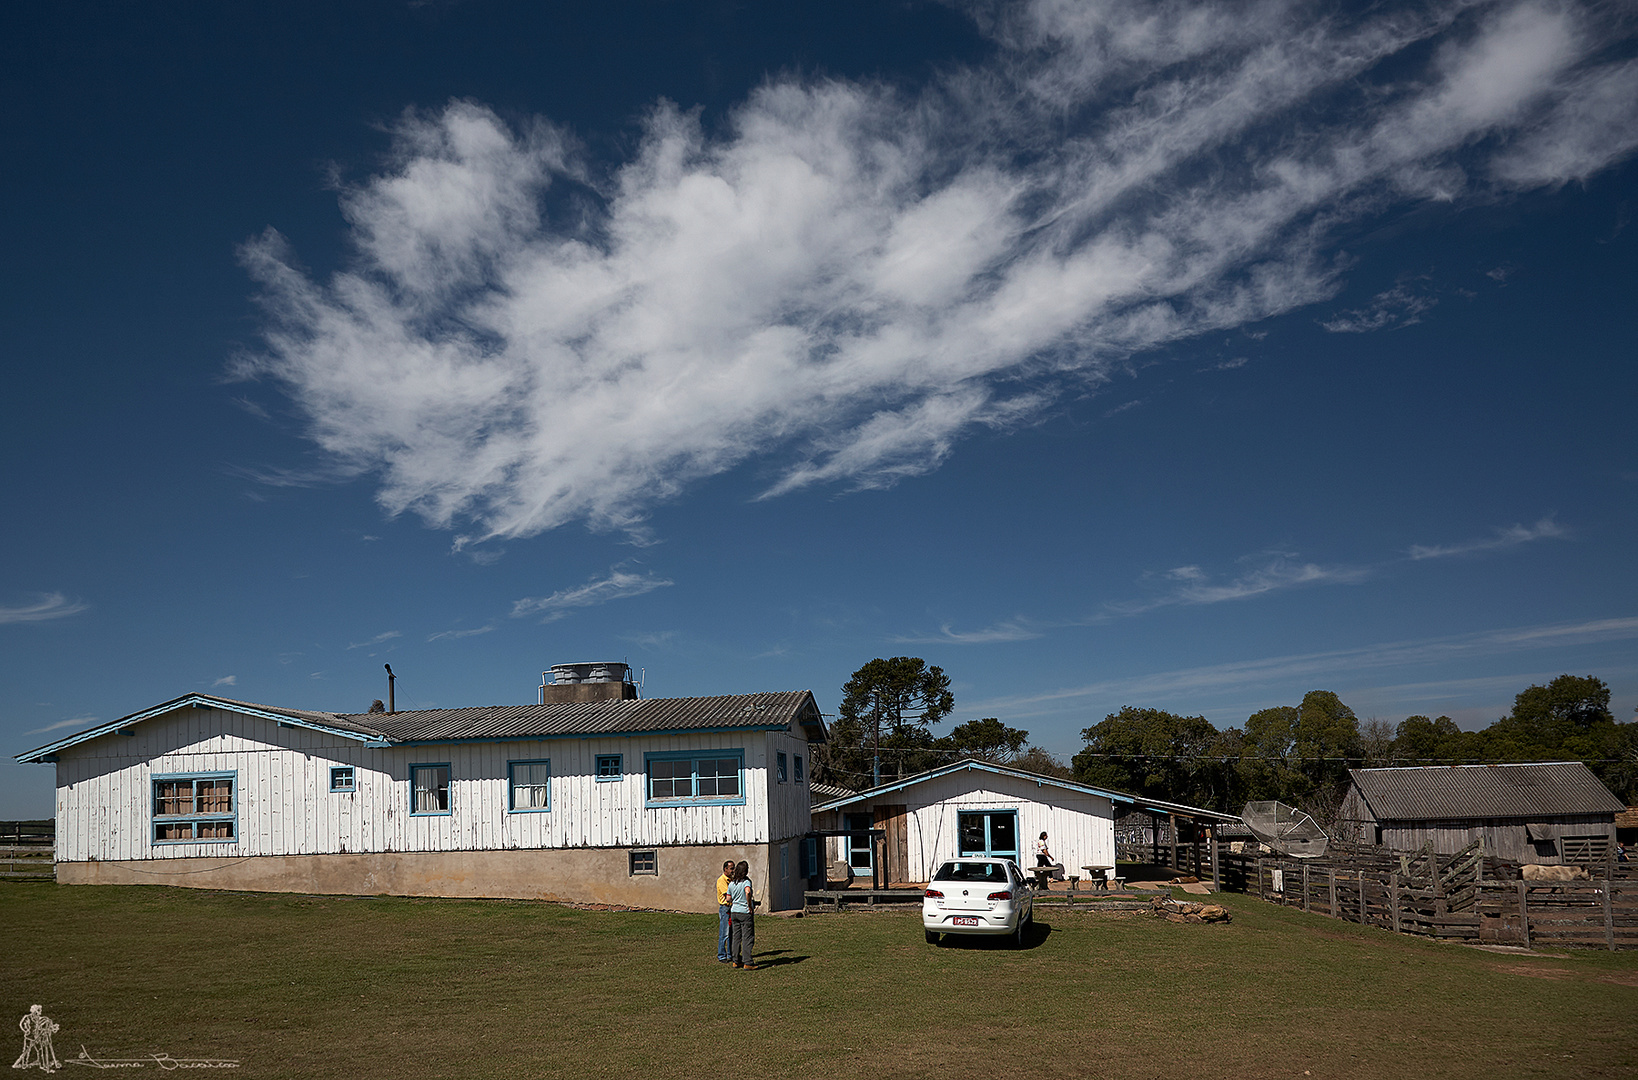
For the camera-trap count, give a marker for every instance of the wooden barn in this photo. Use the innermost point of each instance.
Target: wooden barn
(974, 807)
(1548, 812)
(591, 795)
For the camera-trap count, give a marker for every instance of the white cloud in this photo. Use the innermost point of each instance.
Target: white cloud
(1510, 537)
(1277, 571)
(1011, 630)
(1390, 310)
(46, 606)
(850, 278)
(1281, 674)
(227, 680)
(618, 585)
(76, 722)
(377, 640)
(457, 634)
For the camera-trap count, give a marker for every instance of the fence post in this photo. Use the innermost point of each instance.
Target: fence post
(1305, 906)
(1524, 912)
(1393, 898)
(1609, 911)
(1334, 913)
(1362, 898)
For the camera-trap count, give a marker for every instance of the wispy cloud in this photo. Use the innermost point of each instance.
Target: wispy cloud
(76, 722)
(846, 279)
(1510, 537)
(1399, 306)
(1191, 585)
(227, 680)
(454, 634)
(377, 640)
(617, 586)
(46, 606)
(1011, 630)
(1308, 669)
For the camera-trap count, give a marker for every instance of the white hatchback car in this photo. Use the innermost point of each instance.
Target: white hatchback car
(977, 896)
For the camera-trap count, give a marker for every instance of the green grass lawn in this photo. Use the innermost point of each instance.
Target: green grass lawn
(299, 986)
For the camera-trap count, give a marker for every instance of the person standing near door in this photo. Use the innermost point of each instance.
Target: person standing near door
(1043, 856)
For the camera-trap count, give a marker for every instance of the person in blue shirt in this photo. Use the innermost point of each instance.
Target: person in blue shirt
(742, 918)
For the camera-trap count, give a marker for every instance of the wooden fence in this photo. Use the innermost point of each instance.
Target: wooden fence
(1457, 897)
(27, 849)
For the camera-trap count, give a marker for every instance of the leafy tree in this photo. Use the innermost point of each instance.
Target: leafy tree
(989, 739)
(1566, 717)
(888, 706)
(1420, 741)
(1155, 753)
(1037, 760)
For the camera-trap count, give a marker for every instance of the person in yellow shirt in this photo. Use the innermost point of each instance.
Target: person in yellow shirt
(723, 914)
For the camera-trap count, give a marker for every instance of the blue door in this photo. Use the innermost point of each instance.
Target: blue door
(988, 832)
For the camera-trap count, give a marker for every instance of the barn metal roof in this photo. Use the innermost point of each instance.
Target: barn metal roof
(1458, 792)
(652, 716)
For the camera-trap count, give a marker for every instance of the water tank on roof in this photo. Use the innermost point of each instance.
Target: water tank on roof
(600, 681)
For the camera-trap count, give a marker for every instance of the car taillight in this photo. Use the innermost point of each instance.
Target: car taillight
(935, 894)
(1004, 894)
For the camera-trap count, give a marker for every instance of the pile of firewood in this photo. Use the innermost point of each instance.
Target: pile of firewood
(1182, 911)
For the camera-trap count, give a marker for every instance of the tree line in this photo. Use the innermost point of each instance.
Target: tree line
(1299, 754)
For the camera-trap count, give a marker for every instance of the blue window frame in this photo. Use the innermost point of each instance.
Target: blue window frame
(800, 778)
(782, 767)
(196, 808)
(429, 788)
(530, 783)
(696, 778)
(609, 767)
(341, 778)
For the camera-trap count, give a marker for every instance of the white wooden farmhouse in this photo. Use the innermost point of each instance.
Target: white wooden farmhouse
(591, 796)
(974, 807)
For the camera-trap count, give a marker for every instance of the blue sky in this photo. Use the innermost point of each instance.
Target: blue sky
(1191, 356)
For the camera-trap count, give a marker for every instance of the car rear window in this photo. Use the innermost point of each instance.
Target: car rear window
(971, 871)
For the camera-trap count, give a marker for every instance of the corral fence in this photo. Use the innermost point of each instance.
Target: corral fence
(28, 849)
(1468, 896)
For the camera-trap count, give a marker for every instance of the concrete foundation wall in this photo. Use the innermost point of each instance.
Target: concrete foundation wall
(686, 878)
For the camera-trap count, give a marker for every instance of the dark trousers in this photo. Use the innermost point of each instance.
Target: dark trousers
(722, 931)
(742, 940)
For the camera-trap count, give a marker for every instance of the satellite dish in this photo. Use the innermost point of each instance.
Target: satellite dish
(1285, 829)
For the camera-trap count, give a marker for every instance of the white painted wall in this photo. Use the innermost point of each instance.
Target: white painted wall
(1080, 826)
(285, 807)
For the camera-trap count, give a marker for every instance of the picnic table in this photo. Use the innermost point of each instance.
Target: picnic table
(1098, 875)
(1043, 875)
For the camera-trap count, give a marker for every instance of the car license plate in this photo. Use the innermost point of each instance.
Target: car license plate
(964, 920)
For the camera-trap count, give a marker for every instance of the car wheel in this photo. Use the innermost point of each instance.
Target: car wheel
(1018, 935)
(932, 937)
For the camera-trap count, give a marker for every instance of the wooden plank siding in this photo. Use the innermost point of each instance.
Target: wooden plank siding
(285, 807)
(1079, 825)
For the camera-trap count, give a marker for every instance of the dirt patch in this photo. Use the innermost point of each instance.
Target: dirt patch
(1538, 972)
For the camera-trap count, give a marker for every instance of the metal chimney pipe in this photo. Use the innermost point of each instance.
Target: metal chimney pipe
(392, 705)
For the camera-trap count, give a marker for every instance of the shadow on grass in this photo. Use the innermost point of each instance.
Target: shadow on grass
(1035, 935)
(775, 958)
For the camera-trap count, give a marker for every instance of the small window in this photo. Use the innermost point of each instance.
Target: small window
(782, 764)
(531, 785)
(341, 778)
(800, 779)
(609, 767)
(429, 789)
(187, 808)
(644, 862)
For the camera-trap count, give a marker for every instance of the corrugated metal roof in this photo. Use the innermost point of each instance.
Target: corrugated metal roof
(586, 718)
(1459, 792)
(973, 764)
(566, 720)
